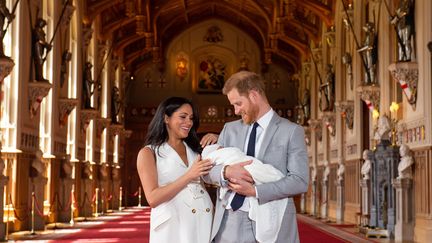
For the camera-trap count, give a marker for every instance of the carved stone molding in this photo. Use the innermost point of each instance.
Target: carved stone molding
(116, 129)
(87, 35)
(406, 74)
(370, 94)
(316, 126)
(37, 92)
(69, 10)
(346, 109)
(126, 133)
(6, 66)
(66, 106)
(101, 123)
(317, 55)
(86, 116)
(330, 37)
(329, 119)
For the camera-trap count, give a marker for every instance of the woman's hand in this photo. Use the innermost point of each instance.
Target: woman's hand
(208, 139)
(199, 168)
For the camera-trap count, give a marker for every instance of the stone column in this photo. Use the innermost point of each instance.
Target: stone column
(65, 199)
(365, 201)
(3, 182)
(37, 185)
(404, 228)
(314, 199)
(340, 200)
(87, 193)
(324, 200)
(303, 203)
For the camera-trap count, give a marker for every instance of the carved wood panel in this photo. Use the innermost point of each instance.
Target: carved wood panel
(422, 182)
(352, 178)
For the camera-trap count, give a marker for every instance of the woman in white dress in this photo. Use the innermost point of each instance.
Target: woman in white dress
(169, 167)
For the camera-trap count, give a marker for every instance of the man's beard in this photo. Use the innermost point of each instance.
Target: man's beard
(250, 116)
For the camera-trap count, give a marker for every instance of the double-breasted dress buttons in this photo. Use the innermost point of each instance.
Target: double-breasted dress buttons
(193, 210)
(207, 210)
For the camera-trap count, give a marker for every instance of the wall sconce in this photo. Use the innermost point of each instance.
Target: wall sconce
(394, 107)
(181, 67)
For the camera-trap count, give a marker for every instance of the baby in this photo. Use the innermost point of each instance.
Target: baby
(268, 216)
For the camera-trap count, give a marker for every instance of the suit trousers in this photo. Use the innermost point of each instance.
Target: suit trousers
(236, 227)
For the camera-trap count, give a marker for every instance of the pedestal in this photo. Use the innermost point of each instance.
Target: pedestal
(303, 203)
(404, 228)
(324, 200)
(65, 199)
(87, 193)
(365, 202)
(37, 185)
(314, 203)
(3, 182)
(340, 197)
(115, 203)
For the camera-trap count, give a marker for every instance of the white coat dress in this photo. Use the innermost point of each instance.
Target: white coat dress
(188, 216)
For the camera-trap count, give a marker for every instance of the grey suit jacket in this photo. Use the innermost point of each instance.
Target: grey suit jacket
(284, 148)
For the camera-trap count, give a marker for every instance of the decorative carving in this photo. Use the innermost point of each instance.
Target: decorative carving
(140, 24)
(330, 122)
(103, 47)
(126, 133)
(347, 60)
(317, 55)
(330, 37)
(6, 66)
(101, 123)
(116, 129)
(366, 167)
(86, 116)
(87, 35)
(340, 171)
(38, 165)
(148, 40)
(346, 109)
(406, 74)
(37, 92)
(370, 94)
(103, 171)
(66, 106)
(326, 171)
(214, 34)
(316, 126)
(157, 55)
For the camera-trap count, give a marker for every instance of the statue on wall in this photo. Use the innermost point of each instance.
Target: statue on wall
(40, 49)
(4, 14)
(326, 172)
(115, 105)
(340, 172)
(370, 53)
(306, 104)
(383, 130)
(366, 167)
(347, 60)
(403, 20)
(88, 86)
(313, 173)
(66, 57)
(327, 89)
(406, 162)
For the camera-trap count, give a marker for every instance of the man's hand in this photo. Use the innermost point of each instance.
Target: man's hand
(208, 139)
(242, 187)
(238, 172)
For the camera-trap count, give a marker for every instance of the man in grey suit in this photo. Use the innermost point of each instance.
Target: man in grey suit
(273, 140)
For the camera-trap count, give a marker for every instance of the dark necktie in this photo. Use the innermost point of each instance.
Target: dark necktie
(238, 199)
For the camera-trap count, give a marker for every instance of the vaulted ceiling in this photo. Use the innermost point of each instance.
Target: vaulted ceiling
(142, 29)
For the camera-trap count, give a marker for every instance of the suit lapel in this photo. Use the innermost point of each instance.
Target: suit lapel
(269, 133)
(243, 130)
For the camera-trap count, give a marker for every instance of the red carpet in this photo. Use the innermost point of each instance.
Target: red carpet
(134, 227)
(309, 233)
(130, 228)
